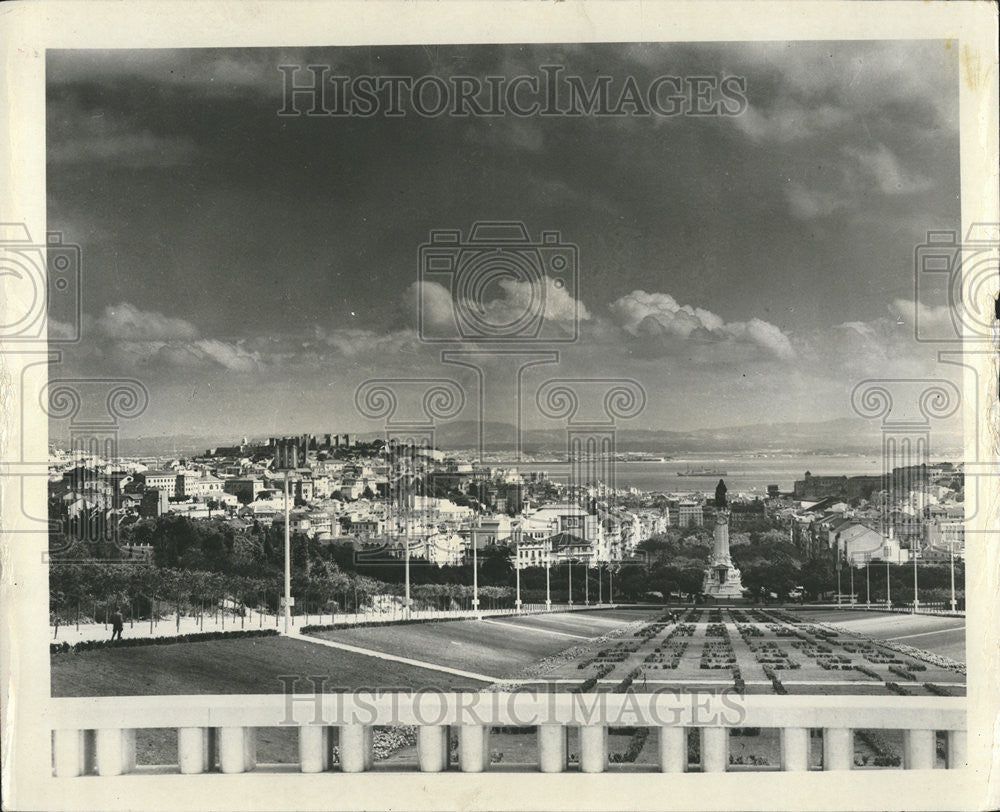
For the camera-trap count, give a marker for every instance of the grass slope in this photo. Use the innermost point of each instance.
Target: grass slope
(497, 649)
(231, 667)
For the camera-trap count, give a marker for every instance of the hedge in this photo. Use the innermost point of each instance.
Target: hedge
(329, 627)
(590, 682)
(623, 686)
(201, 637)
(635, 745)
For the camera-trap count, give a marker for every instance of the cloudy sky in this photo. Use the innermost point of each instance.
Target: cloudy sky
(253, 269)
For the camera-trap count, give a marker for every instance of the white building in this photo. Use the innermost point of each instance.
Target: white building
(689, 514)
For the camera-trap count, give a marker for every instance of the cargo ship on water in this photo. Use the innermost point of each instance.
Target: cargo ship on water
(702, 472)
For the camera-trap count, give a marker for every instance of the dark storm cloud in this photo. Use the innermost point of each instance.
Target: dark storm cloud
(292, 242)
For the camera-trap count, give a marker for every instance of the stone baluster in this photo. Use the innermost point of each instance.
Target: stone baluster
(714, 749)
(957, 752)
(552, 747)
(115, 751)
(794, 749)
(70, 753)
(919, 749)
(195, 749)
(838, 748)
(432, 748)
(315, 748)
(673, 749)
(356, 755)
(593, 748)
(473, 748)
(237, 749)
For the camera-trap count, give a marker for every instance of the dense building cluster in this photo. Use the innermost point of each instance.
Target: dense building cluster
(917, 511)
(391, 500)
(387, 499)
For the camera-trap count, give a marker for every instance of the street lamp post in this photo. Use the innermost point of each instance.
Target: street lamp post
(888, 596)
(517, 573)
(851, 564)
(913, 552)
(600, 585)
(475, 580)
(548, 588)
(868, 583)
(839, 562)
(288, 562)
(586, 580)
(569, 566)
(953, 602)
(611, 586)
(406, 599)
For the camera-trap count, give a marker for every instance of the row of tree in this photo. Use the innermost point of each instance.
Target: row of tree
(197, 565)
(90, 591)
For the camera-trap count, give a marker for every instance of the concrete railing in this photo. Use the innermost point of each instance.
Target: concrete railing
(169, 626)
(218, 733)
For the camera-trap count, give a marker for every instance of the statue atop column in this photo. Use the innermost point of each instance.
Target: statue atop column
(720, 494)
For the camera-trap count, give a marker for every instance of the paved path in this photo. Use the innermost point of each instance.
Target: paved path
(541, 631)
(923, 634)
(381, 655)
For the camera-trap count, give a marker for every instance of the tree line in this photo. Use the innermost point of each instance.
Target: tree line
(200, 566)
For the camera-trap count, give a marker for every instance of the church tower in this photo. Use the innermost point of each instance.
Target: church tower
(722, 579)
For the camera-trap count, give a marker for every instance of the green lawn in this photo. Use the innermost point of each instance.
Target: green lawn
(499, 649)
(586, 624)
(247, 666)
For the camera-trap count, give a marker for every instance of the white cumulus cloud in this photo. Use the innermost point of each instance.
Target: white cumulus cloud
(126, 321)
(503, 303)
(133, 337)
(659, 315)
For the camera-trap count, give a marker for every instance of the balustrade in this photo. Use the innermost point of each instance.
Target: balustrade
(98, 735)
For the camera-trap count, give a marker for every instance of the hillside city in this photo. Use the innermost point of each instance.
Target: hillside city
(366, 506)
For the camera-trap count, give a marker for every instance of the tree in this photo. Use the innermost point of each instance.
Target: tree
(818, 576)
(495, 566)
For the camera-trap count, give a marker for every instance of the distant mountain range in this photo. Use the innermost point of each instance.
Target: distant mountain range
(843, 435)
(830, 436)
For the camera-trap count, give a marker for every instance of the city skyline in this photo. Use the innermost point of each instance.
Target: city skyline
(253, 269)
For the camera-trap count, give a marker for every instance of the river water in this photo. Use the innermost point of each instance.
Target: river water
(744, 473)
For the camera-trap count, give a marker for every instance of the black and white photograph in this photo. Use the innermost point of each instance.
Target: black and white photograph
(410, 421)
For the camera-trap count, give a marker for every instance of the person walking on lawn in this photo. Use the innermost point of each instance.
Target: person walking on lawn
(117, 623)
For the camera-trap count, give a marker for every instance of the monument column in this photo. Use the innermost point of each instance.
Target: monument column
(722, 579)
(722, 535)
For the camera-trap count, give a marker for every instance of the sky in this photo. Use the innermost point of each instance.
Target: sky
(252, 270)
